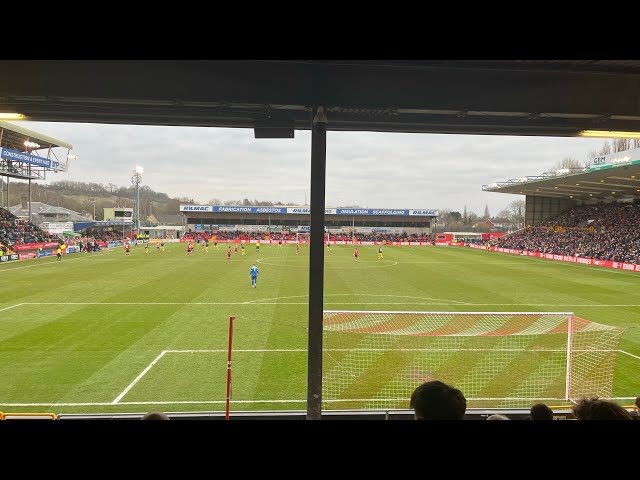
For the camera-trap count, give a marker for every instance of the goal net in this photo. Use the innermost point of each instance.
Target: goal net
(374, 360)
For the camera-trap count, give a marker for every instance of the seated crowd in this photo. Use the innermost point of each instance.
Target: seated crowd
(601, 232)
(15, 232)
(222, 236)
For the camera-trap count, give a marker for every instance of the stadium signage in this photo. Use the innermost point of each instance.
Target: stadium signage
(4, 258)
(429, 213)
(305, 210)
(389, 212)
(22, 157)
(616, 159)
(234, 209)
(565, 258)
(352, 211)
(270, 210)
(195, 208)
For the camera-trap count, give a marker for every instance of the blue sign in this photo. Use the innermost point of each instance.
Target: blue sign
(22, 157)
(307, 210)
(72, 249)
(199, 226)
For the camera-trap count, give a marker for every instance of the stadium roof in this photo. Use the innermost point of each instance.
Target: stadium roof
(14, 136)
(41, 212)
(501, 97)
(597, 182)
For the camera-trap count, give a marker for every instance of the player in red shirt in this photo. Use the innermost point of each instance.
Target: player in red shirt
(355, 254)
(127, 248)
(297, 248)
(229, 253)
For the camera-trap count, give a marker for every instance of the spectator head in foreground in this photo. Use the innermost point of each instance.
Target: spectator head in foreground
(435, 400)
(541, 412)
(497, 416)
(155, 416)
(596, 409)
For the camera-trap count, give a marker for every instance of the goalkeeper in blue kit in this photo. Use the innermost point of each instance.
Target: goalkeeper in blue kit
(254, 275)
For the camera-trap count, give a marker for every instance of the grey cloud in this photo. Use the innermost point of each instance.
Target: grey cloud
(376, 170)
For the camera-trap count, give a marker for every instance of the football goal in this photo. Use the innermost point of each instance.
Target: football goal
(375, 359)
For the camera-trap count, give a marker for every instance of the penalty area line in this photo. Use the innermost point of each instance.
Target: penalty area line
(137, 379)
(12, 306)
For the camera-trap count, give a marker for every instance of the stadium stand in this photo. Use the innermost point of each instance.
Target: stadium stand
(15, 232)
(603, 231)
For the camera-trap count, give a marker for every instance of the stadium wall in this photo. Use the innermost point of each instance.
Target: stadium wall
(538, 209)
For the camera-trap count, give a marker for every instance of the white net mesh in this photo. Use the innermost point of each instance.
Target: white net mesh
(376, 359)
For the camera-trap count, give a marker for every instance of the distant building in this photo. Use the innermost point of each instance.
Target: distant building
(165, 219)
(494, 225)
(118, 213)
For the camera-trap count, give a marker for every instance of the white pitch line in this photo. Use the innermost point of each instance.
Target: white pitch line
(360, 295)
(304, 350)
(12, 306)
(329, 266)
(253, 303)
(124, 392)
(630, 354)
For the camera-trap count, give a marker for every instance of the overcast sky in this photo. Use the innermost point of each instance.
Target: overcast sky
(372, 170)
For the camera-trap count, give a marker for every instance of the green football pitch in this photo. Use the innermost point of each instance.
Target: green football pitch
(107, 333)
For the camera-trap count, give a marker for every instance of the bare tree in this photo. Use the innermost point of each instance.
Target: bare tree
(568, 162)
(514, 213)
(606, 148)
(621, 144)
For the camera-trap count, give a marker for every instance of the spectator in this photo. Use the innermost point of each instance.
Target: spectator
(637, 412)
(596, 409)
(497, 416)
(436, 400)
(155, 416)
(541, 412)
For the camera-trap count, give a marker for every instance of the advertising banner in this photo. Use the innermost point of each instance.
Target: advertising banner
(566, 258)
(22, 157)
(34, 246)
(307, 210)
